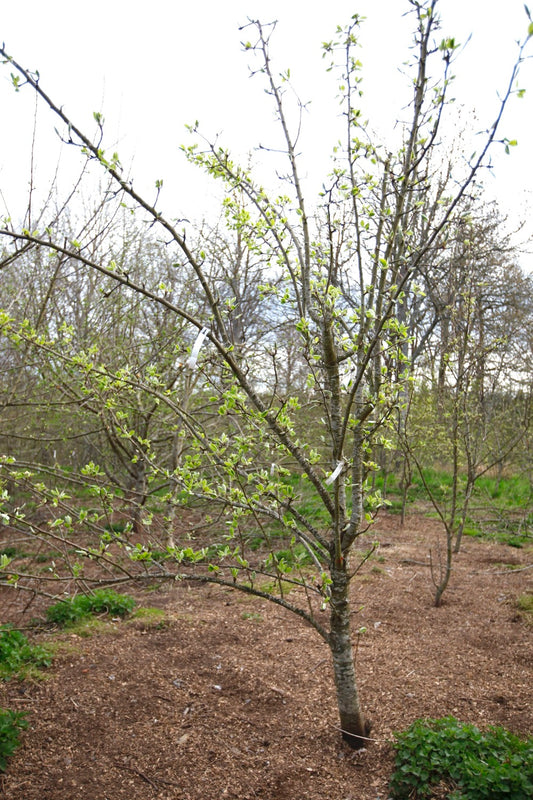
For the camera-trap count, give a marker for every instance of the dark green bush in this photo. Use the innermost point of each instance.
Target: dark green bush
(102, 601)
(65, 612)
(11, 722)
(107, 601)
(469, 763)
(9, 551)
(16, 654)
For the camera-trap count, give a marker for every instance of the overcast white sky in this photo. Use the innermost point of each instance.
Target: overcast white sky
(151, 67)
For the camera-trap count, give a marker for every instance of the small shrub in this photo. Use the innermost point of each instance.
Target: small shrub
(107, 601)
(118, 527)
(17, 655)
(65, 612)
(11, 722)
(469, 764)
(43, 558)
(13, 552)
(102, 601)
(9, 551)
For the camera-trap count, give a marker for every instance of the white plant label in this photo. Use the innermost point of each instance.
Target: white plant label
(335, 473)
(193, 358)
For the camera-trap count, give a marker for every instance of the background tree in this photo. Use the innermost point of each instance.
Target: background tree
(458, 415)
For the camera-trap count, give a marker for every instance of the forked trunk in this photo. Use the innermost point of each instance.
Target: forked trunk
(353, 726)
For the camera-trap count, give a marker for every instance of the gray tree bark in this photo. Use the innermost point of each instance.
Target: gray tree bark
(354, 727)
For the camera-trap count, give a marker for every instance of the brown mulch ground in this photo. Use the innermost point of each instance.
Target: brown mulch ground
(232, 697)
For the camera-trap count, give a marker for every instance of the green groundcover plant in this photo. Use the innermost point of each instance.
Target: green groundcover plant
(17, 655)
(11, 722)
(447, 755)
(102, 601)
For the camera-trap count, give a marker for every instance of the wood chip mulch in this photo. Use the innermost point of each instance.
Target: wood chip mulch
(232, 697)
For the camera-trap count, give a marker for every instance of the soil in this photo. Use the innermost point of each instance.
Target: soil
(232, 697)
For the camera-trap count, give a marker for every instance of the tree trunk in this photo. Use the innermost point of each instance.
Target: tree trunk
(446, 570)
(138, 495)
(466, 505)
(353, 726)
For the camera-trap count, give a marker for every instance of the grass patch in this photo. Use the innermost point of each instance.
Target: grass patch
(447, 758)
(513, 492)
(500, 508)
(149, 618)
(505, 530)
(276, 587)
(525, 607)
(91, 626)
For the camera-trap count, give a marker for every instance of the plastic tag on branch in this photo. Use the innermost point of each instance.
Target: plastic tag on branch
(193, 358)
(336, 472)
